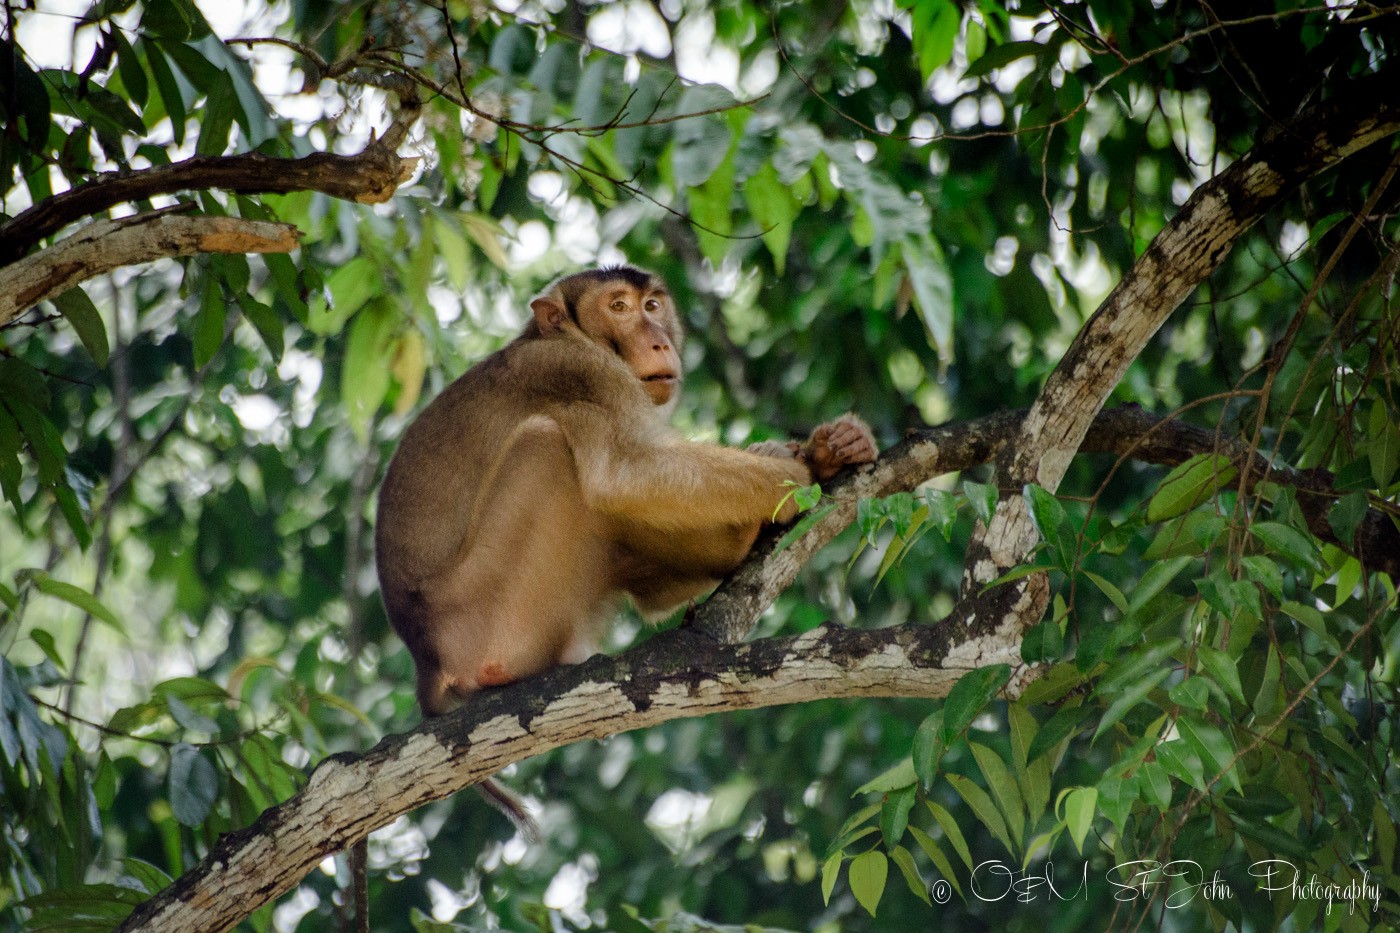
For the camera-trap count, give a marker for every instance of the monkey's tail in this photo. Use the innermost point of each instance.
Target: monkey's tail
(509, 803)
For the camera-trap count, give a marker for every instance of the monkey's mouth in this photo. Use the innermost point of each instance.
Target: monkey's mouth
(661, 378)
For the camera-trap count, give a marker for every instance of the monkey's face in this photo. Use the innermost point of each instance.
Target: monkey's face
(638, 324)
(625, 310)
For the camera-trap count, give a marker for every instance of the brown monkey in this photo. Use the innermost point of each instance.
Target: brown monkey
(544, 485)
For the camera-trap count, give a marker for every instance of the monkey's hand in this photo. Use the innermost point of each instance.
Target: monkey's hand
(786, 451)
(847, 441)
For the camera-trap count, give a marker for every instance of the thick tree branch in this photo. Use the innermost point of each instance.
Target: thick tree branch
(370, 177)
(105, 245)
(694, 670)
(1187, 250)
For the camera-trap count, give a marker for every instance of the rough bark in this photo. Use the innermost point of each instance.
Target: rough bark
(694, 670)
(105, 245)
(372, 176)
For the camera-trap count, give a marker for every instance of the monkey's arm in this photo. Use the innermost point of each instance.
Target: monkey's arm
(652, 478)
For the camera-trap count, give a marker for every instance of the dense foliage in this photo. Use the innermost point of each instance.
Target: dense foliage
(907, 210)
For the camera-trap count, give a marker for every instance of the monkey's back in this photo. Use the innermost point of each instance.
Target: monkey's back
(428, 497)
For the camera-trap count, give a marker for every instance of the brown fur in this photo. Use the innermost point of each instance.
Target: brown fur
(544, 485)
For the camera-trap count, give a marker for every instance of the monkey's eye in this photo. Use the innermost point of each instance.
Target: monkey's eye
(653, 304)
(619, 306)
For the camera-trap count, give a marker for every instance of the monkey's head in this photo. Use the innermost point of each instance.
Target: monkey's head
(625, 310)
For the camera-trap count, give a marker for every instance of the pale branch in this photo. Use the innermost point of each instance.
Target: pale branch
(370, 177)
(105, 245)
(694, 670)
(1187, 250)
(1128, 431)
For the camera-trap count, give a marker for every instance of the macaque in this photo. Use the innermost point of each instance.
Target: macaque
(544, 486)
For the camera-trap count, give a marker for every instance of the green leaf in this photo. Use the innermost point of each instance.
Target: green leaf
(104, 782)
(867, 876)
(1347, 514)
(935, 27)
(1023, 727)
(1309, 616)
(11, 472)
(1288, 541)
(21, 382)
(188, 718)
(1049, 517)
(711, 209)
(77, 307)
(486, 233)
(80, 908)
(1276, 841)
(1115, 595)
(46, 644)
(451, 245)
(1155, 580)
(1222, 667)
(265, 321)
(1189, 485)
(894, 815)
(936, 856)
(169, 19)
(804, 524)
(1192, 693)
(1181, 760)
(774, 209)
(952, 832)
(209, 323)
(169, 88)
(699, 143)
(831, 870)
(350, 286)
(1265, 572)
(1268, 699)
(982, 498)
(219, 112)
(129, 67)
(1190, 534)
(1349, 577)
(1150, 657)
(933, 291)
(1066, 722)
(192, 785)
(1033, 777)
(942, 511)
(901, 775)
(1213, 746)
(1116, 798)
(1003, 787)
(364, 378)
(151, 878)
(1000, 56)
(1384, 451)
(982, 806)
(928, 748)
(1043, 642)
(1156, 785)
(1132, 696)
(1079, 805)
(905, 861)
(893, 553)
(973, 691)
(76, 596)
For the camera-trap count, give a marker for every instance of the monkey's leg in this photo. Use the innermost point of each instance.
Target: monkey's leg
(532, 581)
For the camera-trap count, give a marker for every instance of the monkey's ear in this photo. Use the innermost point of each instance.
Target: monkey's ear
(550, 313)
